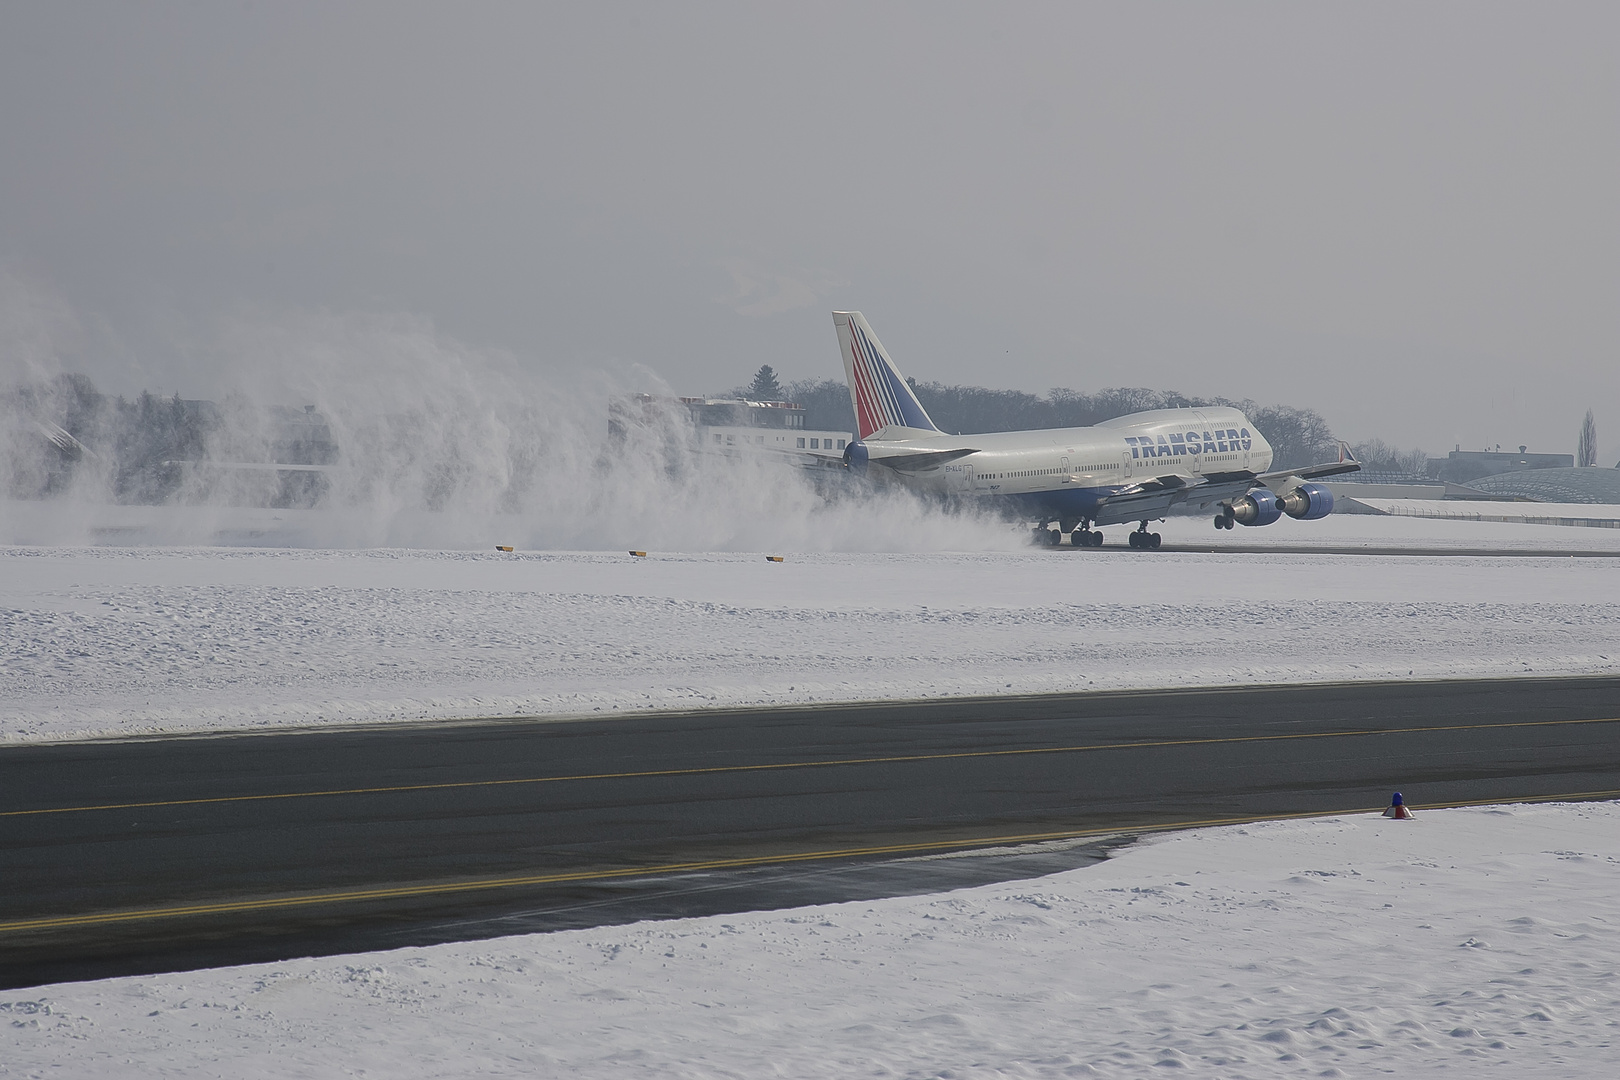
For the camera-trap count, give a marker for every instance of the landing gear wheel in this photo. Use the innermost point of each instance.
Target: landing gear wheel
(1153, 539)
(1054, 538)
(1136, 540)
(1096, 539)
(1079, 538)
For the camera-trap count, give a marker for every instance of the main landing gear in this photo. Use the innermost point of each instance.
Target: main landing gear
(1224, 519)
(1082, 535)
(1045, 537)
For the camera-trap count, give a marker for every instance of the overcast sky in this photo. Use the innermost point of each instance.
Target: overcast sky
(1405, 215)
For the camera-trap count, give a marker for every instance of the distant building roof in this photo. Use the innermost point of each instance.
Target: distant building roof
(1466, 466)
(1522, 460)
(1589, 485)
(1393, 485)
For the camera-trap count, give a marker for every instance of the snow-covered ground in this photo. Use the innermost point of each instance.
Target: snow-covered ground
(1578, 515)
(98, 640)
(1472, 940)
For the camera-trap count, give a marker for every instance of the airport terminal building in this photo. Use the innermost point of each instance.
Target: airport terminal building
(1489, 485)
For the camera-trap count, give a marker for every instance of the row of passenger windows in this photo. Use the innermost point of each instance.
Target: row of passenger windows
(1047, 472)
(822, 444)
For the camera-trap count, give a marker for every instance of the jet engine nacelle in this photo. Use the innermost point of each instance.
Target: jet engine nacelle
(1258, 507)
(855, 457)
(1307, 502)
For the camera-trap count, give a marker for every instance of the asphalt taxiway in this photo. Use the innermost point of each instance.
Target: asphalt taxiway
(133, 855)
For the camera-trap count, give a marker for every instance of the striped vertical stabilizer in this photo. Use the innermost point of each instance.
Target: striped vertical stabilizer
(876, 388)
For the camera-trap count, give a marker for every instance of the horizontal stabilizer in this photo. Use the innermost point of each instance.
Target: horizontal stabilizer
(920, 460)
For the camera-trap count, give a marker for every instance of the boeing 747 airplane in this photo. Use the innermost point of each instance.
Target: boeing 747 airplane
(1131, 468)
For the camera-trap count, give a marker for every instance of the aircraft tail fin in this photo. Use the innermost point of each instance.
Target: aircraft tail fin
(876, 388)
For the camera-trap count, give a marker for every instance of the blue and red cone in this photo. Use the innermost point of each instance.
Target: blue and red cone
(1397, 808)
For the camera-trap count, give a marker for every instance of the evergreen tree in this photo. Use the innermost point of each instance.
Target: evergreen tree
(765, 387)
(1586, 447)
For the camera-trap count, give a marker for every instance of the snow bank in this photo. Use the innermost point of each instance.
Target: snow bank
(121, 641)
(1475, 940)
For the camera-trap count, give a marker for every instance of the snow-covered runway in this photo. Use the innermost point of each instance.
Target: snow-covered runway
(129, 640)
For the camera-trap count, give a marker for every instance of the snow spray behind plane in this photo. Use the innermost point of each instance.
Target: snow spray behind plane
(441, 444)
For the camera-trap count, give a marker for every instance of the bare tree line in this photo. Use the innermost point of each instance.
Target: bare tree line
(61, 428)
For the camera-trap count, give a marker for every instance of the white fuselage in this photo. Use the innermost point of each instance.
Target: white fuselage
(1071, 464)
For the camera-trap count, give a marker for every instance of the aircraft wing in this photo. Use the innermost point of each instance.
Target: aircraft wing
(1347, 463)
(1152, 498)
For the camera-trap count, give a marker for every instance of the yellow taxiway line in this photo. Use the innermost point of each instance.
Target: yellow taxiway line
(224, 907)
(771, 766)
